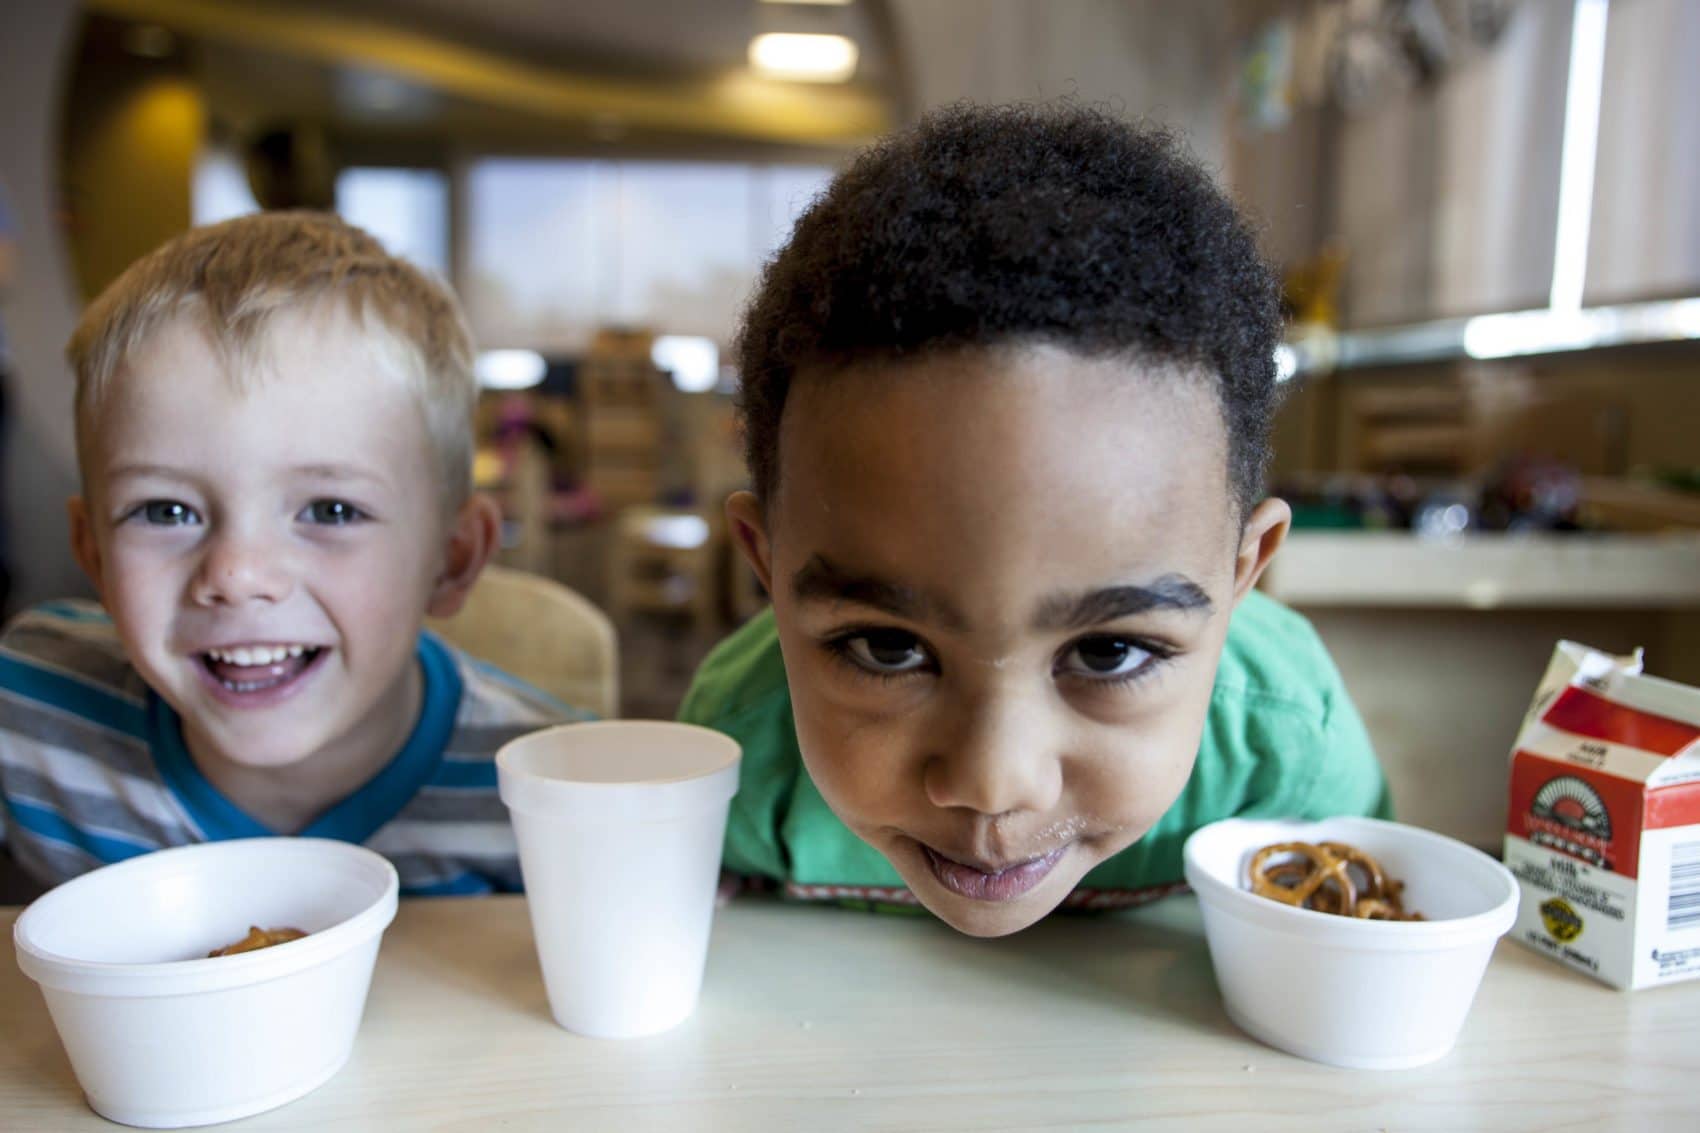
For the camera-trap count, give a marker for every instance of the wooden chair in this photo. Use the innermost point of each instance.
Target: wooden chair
(543, 633)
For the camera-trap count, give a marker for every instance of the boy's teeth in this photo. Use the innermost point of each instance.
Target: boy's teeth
(258, 654)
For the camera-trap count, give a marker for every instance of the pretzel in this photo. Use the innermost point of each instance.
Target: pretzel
(1287, 884)
(1328, 877)
(258, 938)
(1374, 880)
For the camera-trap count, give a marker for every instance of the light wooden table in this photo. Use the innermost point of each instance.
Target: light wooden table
(817, 1018)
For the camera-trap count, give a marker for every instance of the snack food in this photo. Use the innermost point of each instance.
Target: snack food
(258, 938)
(1328, 877)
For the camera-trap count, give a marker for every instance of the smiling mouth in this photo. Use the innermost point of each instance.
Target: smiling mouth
(252, 669)
(991, 885)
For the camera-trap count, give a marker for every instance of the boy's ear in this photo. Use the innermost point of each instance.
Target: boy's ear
(473, 536)
(84, 546)
(748, 522)
(1265, 530)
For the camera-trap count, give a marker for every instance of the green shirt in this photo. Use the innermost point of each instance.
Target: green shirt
(1282, 739)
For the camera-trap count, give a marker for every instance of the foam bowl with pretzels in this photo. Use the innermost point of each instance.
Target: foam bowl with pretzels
(162, 1034)
(1321, 963)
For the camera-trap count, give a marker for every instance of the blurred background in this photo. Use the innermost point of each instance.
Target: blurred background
(1486, 214)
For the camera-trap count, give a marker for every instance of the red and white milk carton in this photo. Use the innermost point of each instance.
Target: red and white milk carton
(1604, 826)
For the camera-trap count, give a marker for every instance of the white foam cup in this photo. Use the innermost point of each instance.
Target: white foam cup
(620, 826)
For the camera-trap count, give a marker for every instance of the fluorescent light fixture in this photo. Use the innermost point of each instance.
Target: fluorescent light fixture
(693, 361)
(510, 369)
(1531, 332)
(1682, 318)
(805, 58)
(1543, 332)
(1576, 163)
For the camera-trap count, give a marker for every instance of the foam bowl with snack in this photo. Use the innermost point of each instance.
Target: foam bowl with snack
(162, 1033)
(1358, 991)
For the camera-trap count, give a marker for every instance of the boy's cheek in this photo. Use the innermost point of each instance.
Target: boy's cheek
(857, 765)
(1138, 792)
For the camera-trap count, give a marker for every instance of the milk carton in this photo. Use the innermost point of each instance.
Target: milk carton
(1603, 832)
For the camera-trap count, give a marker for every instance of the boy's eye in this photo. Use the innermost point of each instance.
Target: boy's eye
(886, 651)
(332, 513)
(1105, 657)
(167, 513)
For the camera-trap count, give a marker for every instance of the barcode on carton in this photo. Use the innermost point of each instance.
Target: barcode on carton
(1684, 886)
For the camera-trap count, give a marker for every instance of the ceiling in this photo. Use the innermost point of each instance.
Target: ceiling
(655, 37)
(523, 74)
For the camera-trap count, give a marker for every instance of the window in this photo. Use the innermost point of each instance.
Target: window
(557, 248)
(406, 209)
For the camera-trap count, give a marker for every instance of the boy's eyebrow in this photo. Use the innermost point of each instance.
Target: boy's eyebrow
(335, 472)
(162, 471)
(821, 581)
(1169, 592)
(317, 471)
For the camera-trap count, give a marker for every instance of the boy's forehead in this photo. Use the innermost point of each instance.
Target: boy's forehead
(352, 386)
(1036, 403)
(296, 343)
(980, 460)
(958, 373)
(323, 360)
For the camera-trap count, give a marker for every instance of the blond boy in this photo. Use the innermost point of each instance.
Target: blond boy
(273, 422)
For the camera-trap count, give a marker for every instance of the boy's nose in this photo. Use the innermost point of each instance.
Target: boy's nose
(236, 571)
(1001, 757)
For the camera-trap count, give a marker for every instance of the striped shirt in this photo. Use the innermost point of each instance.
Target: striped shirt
(93, 768)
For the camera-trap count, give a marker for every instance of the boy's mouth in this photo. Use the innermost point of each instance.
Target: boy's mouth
(997, 885)
(248, 670)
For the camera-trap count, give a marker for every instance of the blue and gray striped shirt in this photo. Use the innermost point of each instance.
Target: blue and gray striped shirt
(93, 768)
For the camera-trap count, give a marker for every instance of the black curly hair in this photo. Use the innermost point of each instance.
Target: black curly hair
(988, 226)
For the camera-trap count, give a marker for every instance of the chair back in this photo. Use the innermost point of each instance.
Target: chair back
(542, 632)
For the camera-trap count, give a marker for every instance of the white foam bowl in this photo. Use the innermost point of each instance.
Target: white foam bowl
(162, 1036)
(1357, 993)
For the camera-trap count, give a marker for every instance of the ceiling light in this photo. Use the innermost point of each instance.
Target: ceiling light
(681, 531)
(693, 361)
(805, 58)
(510, 369)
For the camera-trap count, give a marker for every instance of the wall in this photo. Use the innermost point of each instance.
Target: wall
(40, 465)
(1167, 61)
(1447, 196)
(131, 137)
(1645, 237)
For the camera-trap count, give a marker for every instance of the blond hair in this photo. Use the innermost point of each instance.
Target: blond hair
(232, 278)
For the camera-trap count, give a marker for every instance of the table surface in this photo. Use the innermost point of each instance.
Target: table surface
(822, 1018)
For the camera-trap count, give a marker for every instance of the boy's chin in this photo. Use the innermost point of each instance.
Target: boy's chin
(250, 743)
(984, 918)
(256, 758)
